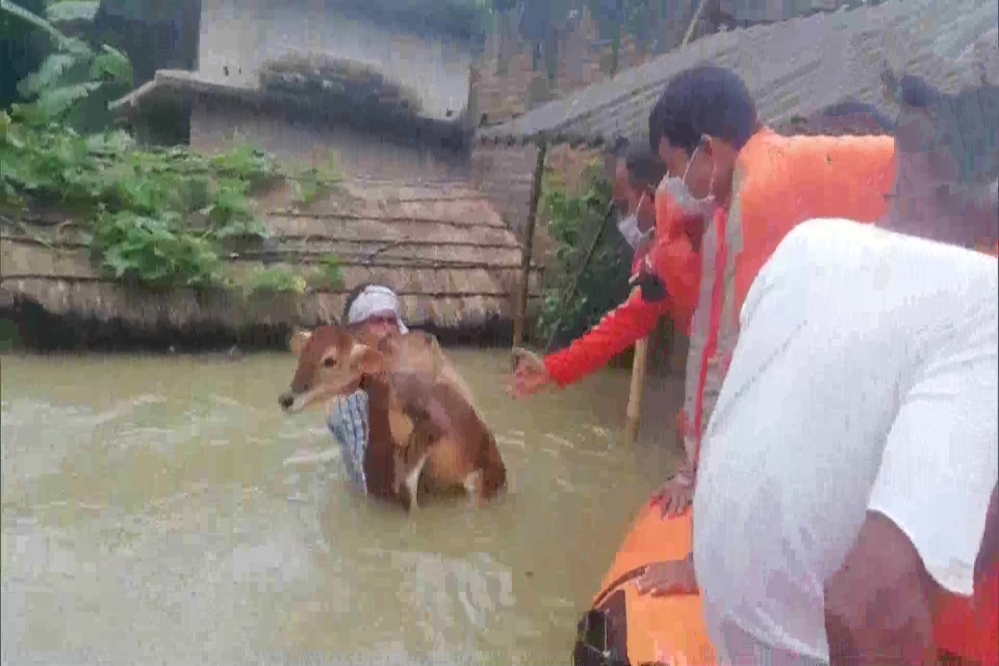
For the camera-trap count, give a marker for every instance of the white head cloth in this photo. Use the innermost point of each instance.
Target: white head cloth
(375, 299)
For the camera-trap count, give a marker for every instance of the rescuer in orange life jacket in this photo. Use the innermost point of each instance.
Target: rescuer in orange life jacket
(803, 443)
(705, 130)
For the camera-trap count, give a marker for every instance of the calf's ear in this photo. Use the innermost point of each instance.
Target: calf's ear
(299, 338)
(366, 360)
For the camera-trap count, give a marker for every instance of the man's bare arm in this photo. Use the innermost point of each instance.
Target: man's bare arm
(421, 402)
(877, 605)
(988, 554)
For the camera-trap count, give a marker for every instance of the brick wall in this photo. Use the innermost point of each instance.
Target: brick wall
(505, 174)
(504, 83)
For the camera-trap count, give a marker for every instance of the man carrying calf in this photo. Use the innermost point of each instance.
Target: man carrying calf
(403, 417)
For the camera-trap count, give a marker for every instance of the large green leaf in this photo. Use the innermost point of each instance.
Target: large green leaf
(69, 11)
(50, 74)
(64, 43)
(59, 100)
(110, 144)
(112, 66)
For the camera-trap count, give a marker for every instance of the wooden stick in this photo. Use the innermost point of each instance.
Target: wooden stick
(528, 247)
(634, 414)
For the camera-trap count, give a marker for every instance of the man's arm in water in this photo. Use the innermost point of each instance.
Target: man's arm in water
(421, 401)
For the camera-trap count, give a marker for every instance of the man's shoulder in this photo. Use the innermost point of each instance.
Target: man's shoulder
(831, 235)
(770, 161)
(837, 240)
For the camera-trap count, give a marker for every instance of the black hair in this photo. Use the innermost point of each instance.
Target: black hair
(705, 99)
(915, 92)
(966, 122)
(645, 169)
(856, 109)
(961, 136)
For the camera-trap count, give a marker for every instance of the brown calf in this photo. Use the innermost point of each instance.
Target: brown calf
(405, 377)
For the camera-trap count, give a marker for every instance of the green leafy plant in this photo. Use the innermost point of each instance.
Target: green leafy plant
(276, 280)
(147, 208)
(75, 82)
(327, 275)
(157, 252)
(312, 183)
(66, 12)
(573, 221)
(157, 218)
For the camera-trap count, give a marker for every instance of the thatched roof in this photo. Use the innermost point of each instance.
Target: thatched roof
(442, 247)
(793, 68)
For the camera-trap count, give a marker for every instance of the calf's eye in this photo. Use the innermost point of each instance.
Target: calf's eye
(329, 362)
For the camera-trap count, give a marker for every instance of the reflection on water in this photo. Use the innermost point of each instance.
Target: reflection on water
(164, 510)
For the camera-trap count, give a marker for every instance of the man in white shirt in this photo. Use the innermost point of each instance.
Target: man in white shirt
(848, 476)
(864, 384)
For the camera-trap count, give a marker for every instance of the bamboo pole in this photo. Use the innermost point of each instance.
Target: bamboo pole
(528, 247)
(638, 367)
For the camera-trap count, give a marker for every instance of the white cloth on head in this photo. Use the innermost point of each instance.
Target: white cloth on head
(864, 379)
(375, 299)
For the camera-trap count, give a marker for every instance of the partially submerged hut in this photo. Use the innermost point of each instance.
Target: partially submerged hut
(387, 92)
(448, 254)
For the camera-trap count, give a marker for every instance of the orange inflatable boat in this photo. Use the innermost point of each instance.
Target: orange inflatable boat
(625, 629)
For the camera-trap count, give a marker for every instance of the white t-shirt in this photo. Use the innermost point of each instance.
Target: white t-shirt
(865, 378)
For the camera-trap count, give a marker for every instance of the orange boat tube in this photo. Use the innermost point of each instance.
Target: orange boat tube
(625, 629)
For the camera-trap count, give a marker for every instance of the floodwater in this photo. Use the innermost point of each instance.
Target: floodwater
(163, 510)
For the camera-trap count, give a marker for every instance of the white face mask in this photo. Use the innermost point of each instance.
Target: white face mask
(628, 227)
(677, 189)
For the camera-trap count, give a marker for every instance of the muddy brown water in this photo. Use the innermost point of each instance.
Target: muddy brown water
(163, 510)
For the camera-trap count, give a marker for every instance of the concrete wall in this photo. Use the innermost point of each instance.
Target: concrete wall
(238, 36)
(215, 124)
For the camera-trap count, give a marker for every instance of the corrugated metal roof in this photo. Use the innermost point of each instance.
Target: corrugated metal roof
(796, 67)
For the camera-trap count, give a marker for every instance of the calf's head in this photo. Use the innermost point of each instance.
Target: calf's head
(330, 364)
